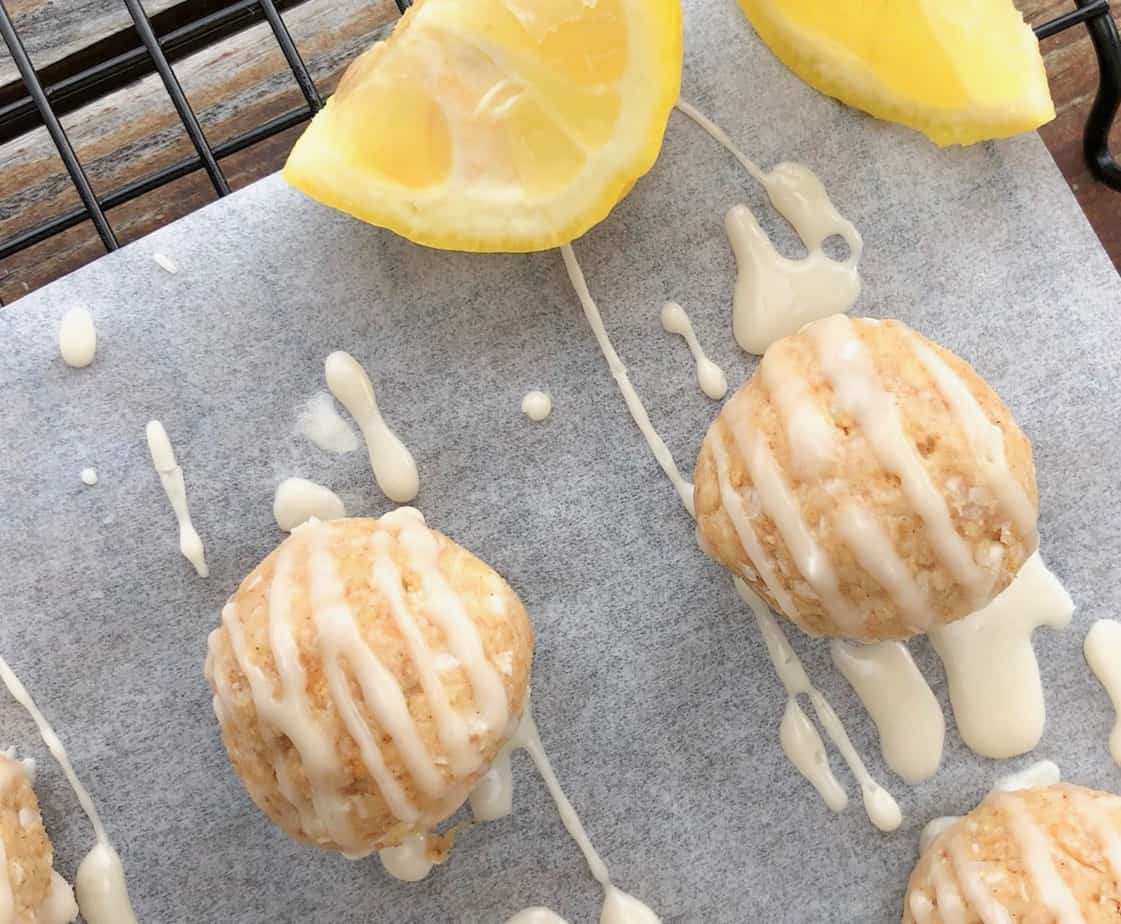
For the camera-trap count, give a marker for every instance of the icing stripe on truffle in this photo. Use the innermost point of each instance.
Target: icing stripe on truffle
(741, 521)
(780, 504)
(859, 393)
(1035, 850)
(985, 438)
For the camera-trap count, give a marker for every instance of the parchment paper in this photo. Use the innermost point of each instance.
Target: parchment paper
(654, 693)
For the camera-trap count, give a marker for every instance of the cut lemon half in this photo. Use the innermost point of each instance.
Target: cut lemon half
(959, 71)
(497, 125)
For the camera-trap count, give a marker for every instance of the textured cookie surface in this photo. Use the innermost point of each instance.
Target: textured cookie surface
(1051, 854)
(365, 675)
(30, 892)
(867, 483)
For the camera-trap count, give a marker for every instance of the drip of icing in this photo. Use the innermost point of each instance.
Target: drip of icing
(77, 338)
(1041, 773)
(493, 796)
(995, 688)
(985, 438)
(710, 376)
(537, 405)
(89, 476)
(101, 887)
(775, 296)
(537, 915)
(904, 709)
(297, 500)
(409, 860)
(392, 463)
(1103, 653)
(801, 743)
(165, 262)
(858, 392)
(59, 907)
(882, 809)
(321, 423)
(171, 475)
(619, 372)
(618, 906)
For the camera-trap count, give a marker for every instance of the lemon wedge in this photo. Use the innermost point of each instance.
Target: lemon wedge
(497, 125)
(959, 71)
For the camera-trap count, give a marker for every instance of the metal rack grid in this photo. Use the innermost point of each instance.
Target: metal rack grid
(45, 101)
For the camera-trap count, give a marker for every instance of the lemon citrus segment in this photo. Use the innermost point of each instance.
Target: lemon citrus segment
(497, 125)
(959, 71)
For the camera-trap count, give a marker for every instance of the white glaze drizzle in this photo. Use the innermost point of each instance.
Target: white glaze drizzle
(874, 551)
(710, 376)
(171, 476)
(812, 439)
(493, 796)
(166, 263)
(775, 296)
(618, 906)
(904, 709)
(77, 338)
(883, 811)
(88, 477)
(101, 887)
(813, 442)
(1036, 853)
(801, 743)
(985, 439)
(619, 373)
(319, 420)
(1102, 649)
(993, 674)
(297, 500)
(409, 861)
(537, 915)
(393, 465)
(779, 503)
(537, 405)
(858, 392)
(740, 516)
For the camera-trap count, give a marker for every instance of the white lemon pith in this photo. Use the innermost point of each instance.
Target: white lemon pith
(497, 125)
(959, 71)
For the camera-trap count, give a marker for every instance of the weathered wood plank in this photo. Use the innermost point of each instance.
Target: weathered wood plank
(234, 86)
(53, 29)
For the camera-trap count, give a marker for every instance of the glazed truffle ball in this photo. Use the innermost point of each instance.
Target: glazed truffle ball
(365, 675)
(867, 483)
(1037, 855)
(30, 891)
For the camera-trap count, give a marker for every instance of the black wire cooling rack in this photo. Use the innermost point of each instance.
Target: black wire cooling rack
(158, 40)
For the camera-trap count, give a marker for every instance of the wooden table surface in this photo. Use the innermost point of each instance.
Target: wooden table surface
(243, 81)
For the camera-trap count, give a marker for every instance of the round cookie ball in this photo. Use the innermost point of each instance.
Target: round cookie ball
(1037, 855)
(867, 483)
(365, 675)
(31, 892)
